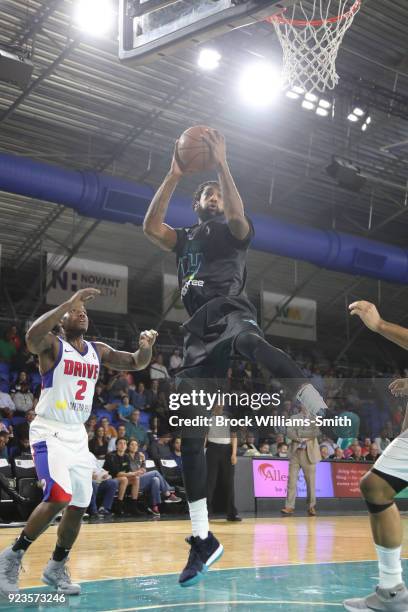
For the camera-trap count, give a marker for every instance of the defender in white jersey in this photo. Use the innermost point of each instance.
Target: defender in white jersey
(69, 367)
(379, 487)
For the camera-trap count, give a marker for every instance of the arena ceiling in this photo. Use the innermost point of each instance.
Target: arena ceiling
(86, 110)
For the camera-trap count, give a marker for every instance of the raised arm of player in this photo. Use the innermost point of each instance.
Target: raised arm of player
(121, 360)
(233, 206)
(39, 337)
(153, 225)
(370, 316)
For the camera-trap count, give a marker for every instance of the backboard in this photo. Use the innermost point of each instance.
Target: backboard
(149, 29)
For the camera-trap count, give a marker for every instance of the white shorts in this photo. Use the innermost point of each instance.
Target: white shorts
(394, 460)
(62, 460)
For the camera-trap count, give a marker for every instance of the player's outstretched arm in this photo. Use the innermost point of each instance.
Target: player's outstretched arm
(39, 337)
(122, 360)
(370, 316)
(233, 206)
(153, 225)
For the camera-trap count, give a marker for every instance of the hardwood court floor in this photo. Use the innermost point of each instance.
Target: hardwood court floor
(291, 562)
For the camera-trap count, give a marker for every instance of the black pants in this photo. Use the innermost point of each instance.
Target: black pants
(220, 471)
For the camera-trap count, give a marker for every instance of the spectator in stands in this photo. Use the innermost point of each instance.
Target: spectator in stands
(90, 426)
(125, 409)
(22, 430)
(104, 486)
(175, 361)
(338, 454)
(7, 349)
(282, 450)
(357, 456)
(348, 452)
(13, 337)
(24, 448)
(158, 370)
(365, 449)
(118, 385)
(4, 438)
(21, 379)
(24, 360)
(120, 433)
(264, 449)
(382, 441)
(118, 466)
(249, 449)
(110, 431)
(324, 452)
(134, 430)
(279, 439)
(374, 453)
(175, 447)
(152, 395)
(7, 407)
(100, 398)
(151, 482)
(140, 398)
(153, 431)
(331, 445)
(23, 399)
(160, 449)
(99, 443)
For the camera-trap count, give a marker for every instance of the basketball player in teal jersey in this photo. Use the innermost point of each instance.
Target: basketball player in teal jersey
(69, 367)
(381, 484)
(211, 260)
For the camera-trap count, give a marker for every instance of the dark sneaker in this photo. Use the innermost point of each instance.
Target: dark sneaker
(234, 518)
(104, 513)
(383, 600)
(203, 554)
(172, 499)
(155, 511)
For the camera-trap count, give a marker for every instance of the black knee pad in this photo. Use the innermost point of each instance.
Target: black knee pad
(377, 508)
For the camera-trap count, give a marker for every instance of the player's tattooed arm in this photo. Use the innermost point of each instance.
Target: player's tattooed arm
(233, 206)
(154, 226)
(39, 337)
(122, 360)
(370, 316)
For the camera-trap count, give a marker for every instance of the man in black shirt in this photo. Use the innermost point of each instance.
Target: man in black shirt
(211, 261)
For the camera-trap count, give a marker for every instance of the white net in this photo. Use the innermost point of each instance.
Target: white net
(310, 34)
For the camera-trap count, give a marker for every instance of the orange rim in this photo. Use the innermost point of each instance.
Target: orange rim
(278, 18)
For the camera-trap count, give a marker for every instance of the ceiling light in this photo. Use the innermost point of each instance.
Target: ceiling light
(358, 111)
(352, 117)
(298, 90)
(292, 94)
(325, 103)
(260, 84)
(364, 127)
(95, 17)
(209, 59)
(368, 120)
(311, 97)
(308, 105)
(323, 112)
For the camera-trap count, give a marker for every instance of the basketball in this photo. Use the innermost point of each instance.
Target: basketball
(193, 154)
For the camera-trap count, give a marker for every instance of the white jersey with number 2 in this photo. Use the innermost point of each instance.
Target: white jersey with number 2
(67, 389)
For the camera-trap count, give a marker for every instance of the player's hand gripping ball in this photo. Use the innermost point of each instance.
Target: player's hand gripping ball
(147, 338)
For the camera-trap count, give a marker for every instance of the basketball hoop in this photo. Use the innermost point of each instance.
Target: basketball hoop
(310, 37)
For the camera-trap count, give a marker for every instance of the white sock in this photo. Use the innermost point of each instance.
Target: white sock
(389, 564)
(199, 518)
(311, 399)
